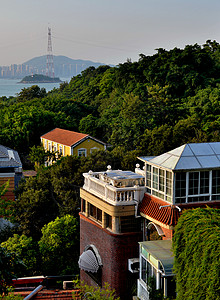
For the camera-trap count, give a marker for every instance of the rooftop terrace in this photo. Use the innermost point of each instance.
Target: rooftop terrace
(115, 186)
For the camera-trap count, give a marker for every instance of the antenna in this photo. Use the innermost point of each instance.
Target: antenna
(50, 65)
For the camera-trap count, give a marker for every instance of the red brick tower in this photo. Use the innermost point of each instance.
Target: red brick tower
(110, 228)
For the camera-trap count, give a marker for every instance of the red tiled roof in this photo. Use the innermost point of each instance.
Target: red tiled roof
(150, 206)
(64, 137)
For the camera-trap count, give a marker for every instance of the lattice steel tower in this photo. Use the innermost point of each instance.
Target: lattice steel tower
(50, 65)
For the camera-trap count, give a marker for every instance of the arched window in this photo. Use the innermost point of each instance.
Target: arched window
(154, 232)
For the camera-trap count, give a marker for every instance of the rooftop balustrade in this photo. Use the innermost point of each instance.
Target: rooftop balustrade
(115, 187)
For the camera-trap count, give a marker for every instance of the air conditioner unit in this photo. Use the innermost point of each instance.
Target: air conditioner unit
(133, 265)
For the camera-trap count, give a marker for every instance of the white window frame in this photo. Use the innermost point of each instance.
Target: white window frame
(55, 147)
(81, 150)
(50, 146)
(61, 149)
(199, 194)
(155, 185)
(94, 148)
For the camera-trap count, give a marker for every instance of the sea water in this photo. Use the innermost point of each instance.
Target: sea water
(11, 87)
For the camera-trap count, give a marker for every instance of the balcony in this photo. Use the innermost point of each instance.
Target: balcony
(115, 186)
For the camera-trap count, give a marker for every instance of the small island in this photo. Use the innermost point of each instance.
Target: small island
(38, 78)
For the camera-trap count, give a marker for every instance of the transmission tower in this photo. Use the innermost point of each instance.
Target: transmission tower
(50, 66)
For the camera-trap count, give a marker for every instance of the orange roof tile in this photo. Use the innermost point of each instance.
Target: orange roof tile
(64, 137)
(150, 206)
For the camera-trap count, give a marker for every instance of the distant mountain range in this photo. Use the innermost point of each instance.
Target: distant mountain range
(64, 67)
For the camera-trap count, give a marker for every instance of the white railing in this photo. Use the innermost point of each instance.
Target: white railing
(143, 292)
(139, 171)
(111, 194)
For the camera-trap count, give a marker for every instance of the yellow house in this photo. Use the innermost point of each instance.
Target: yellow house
(68, 142)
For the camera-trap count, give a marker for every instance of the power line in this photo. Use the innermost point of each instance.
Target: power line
(90, 44)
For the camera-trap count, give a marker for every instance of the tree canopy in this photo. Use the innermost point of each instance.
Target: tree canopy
(126, 105)
(59, 246)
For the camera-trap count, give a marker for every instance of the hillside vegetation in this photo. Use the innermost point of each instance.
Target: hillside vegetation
(139, 108)
(150, 106)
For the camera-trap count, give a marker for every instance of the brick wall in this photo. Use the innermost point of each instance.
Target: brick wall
(115, 250)
(168, 234)
(10, 191)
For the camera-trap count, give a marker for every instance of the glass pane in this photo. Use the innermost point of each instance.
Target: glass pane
(148, 175)
(198, 199)
(180, 185)
(168, 182)
(204, 182)
(155, 178)
(193, 183)
(99, 215)
(169, 199)
(143, 269)
(149, 271)
(180, 200)
(161, 180)
(92, 210)
(216, 182)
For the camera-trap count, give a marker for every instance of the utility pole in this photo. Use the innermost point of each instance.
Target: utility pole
(50, 65)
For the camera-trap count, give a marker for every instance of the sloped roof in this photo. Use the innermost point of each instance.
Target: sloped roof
(189, 156)
(64, 137)
(158, 210)
(67, 137)
(9, 158)
(161, 251)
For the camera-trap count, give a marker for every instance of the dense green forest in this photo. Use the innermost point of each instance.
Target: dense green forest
(139, 108)
(150, 106)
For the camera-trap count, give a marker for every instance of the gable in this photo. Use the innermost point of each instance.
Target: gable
(64, 137)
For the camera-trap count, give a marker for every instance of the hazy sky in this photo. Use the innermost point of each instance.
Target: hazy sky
(107, 31)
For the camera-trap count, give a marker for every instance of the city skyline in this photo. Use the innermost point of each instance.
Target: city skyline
(106, 31)
(63, 67)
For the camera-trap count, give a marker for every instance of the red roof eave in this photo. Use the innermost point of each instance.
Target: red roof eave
(159, 211)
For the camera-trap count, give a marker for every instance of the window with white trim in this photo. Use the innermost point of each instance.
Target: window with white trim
(147, 270)
(61, 149)
(94, 149)
(82, 152)
(159, 182)
(197, 186)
